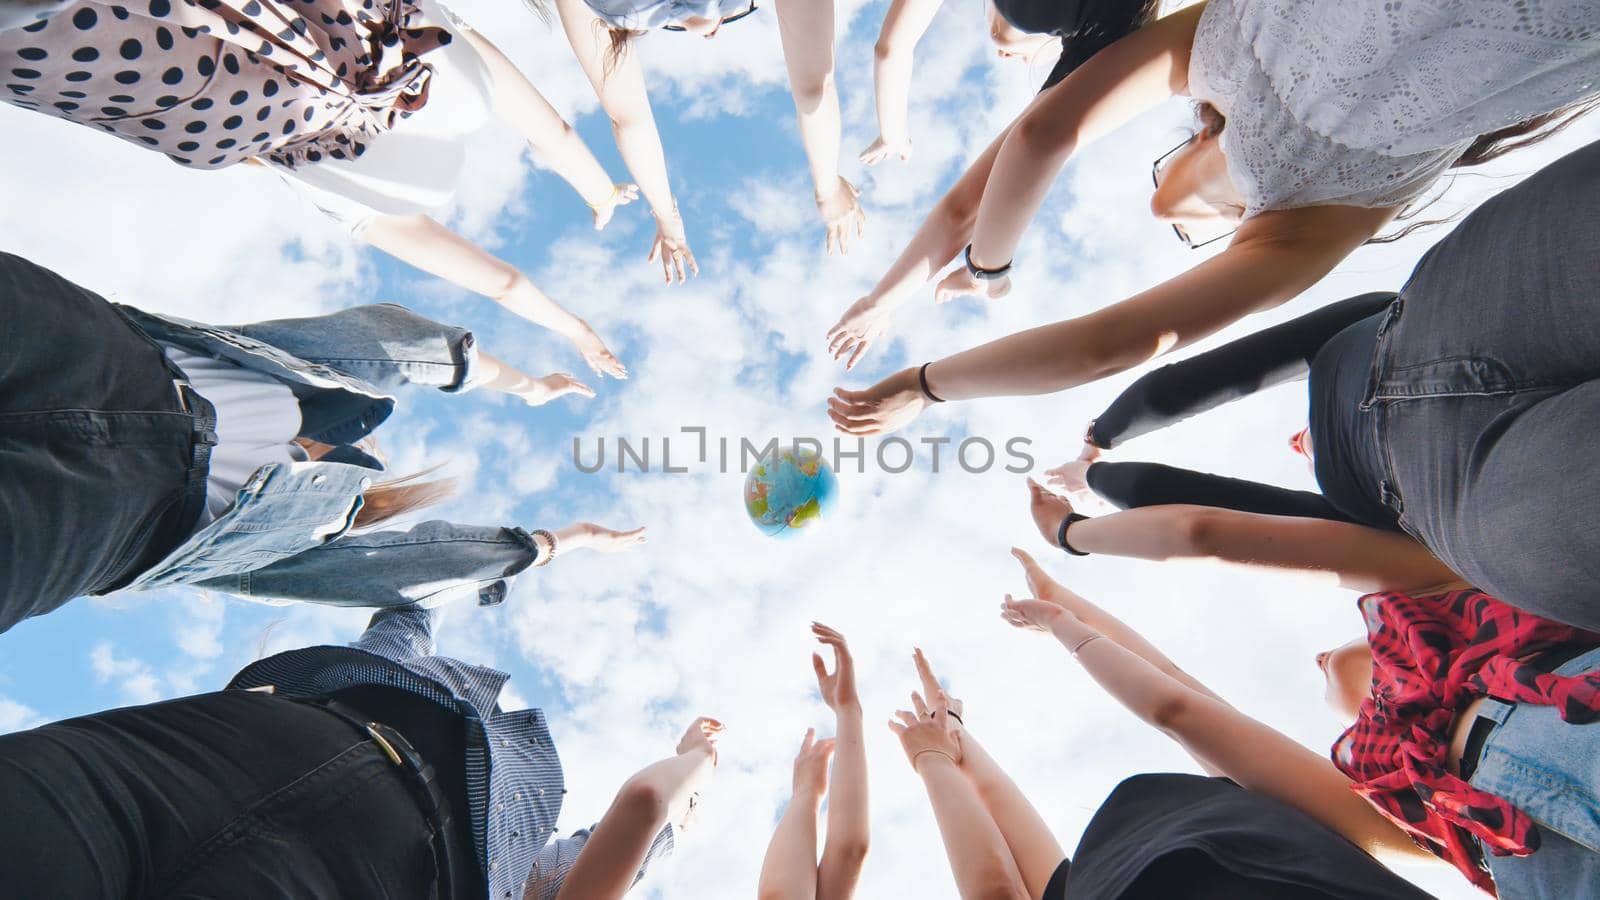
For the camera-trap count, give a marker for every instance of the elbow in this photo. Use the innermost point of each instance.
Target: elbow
(641, 801)
(1169, 714)
(1197, 533)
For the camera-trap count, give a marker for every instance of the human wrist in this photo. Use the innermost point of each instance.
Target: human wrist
(849, 710)
(930, 760)
(1070, 630)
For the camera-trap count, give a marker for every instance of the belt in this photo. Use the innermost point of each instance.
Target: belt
(175, 524)
(431, 800)
(1482, 725)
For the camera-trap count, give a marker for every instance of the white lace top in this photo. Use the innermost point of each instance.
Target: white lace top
(1368, 102)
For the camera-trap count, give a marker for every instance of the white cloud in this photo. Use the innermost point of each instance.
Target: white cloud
(710, 618)
(16, 717)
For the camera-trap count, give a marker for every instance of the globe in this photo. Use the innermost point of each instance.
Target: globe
(790, 492)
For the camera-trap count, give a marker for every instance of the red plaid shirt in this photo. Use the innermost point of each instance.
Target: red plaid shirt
(1432, 656)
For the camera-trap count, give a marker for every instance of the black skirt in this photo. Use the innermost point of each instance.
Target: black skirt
(1186, 836)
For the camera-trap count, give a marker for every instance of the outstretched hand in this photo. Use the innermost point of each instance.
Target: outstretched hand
(880, 150)
(589, 536)
(842, 214)
(702, 736)
(960, 283)
(924, 730)
(861, 326)
(937, 695)
(838, 687)
(1049, 510)
(553, 387)
(621, 195)
(811, 766)
(595, 352)
(891, 404)
(671, 249)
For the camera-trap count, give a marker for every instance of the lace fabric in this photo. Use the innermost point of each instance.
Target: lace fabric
(1368, 102)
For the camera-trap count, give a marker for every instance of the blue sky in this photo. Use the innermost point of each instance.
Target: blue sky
(710, 617)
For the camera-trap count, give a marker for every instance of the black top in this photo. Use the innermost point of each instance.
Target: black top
(1165, 836)
(1085, 26)
(1333, 346)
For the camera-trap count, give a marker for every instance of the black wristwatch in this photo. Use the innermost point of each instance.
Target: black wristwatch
(1061, 533)
(983, 274)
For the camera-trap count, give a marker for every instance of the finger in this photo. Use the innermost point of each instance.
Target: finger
(805, 743)
(930, 682)
(853, 428)
(897, 728)
(575, 386)
(694, 264)
(845, 343)
(827, 240)
(820, 629)
(861, 350)
(856, 406)
(819, 667)
(918, 704)
(906, 717)
(655, 250)
(825, 746)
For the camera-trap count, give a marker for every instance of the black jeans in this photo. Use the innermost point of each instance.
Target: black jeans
(1486, 389)
(102, 469)
(235, 794)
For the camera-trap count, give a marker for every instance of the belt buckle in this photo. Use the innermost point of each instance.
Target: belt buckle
(180, 385)
(388, 748)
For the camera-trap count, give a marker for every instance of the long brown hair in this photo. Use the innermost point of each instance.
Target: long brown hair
(394, 497)
(1488, 146)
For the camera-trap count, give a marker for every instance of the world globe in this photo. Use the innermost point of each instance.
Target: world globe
(790, 492)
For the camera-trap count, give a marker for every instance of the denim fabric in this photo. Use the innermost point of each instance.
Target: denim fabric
(1550, 770)
(344, 367)
(98, 466)
(1486, 389)
(230, 794)
(99, 455)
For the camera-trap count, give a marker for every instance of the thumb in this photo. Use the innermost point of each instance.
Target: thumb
(819, 666)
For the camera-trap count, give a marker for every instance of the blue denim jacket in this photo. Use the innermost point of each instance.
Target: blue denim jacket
(287, 536)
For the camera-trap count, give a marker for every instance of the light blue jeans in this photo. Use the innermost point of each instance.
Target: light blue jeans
(1550, 770)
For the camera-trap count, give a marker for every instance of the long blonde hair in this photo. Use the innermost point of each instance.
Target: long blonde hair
(395, 497)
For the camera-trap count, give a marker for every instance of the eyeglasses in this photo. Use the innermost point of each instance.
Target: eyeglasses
(725, 19)
(1155, 179)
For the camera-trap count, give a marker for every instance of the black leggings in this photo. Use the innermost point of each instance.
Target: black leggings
(1128, 485)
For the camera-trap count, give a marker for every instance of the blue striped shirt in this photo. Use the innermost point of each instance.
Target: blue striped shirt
(513, 778)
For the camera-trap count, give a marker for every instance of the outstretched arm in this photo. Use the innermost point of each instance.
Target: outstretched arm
(849, 831)
(806, 28)
(904, 25)
(979, 858)
(619, 84)
(1113, 87)
(425, 243)
(789, 870)
(611, 862)
(1033, 847)
(1259, 758)
(557, 144)
(1274, 257)
(1358, 557)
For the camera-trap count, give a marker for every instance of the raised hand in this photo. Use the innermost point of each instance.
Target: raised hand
(701, 736)
(811, 766)
(621, 195)
(1033, 614)
(960, 283)
(925, 731)
(892, 403)
(842, 214)
(858, 329)
(551, 387)
(880, 150)
(595, 352)
(838, 688)
(671, 248)
(937, 695)
(589, 536)
(1049, 510)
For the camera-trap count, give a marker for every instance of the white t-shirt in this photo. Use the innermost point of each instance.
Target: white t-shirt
(1368, 102)
(258, 417)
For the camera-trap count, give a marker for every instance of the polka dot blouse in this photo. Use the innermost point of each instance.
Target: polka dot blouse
(212, 83)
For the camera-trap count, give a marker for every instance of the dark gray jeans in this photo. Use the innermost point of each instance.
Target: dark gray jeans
(99, 472)
(1486, 385)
